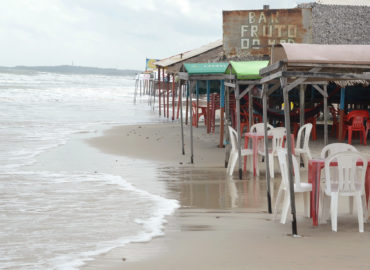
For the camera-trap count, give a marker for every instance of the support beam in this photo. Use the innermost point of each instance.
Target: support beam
(237, 100)
(191, 87)
(222, 112)
(246, 91)
(301, 106)
(227, 123)
(159, 90)
(289, 152)
(264, 100)
(325, 115)
(181, 118)
(321, 91)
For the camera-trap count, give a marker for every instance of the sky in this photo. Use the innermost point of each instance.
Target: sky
(111, 33)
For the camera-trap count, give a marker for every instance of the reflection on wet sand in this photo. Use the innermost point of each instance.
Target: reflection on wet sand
(211, 188)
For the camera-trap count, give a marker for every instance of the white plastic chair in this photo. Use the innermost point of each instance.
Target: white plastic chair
(260, 129)
(334, 148)
(346, 179)
(302, 149)
(278, 135)
(327, 151)
(234, 151)
(299, 187)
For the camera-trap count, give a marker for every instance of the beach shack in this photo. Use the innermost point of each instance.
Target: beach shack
(192, 73)
(169, 67)
(242, 75)
(296, 64)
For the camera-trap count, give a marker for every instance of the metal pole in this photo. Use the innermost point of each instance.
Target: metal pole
(191, 121)
(208, 109)
(164, 95)
(173, 96)
(222, 113)
(159, 90)
(237, 99)
(250, 110)
(264, 97)
(289, 151)
(301, 106)
(181, 119)
(325, 115)
(227, 123)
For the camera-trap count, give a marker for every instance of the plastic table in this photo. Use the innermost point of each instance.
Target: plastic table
(255, 137)
(314, 174)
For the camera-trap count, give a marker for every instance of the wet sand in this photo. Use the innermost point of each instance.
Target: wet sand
(222, 222)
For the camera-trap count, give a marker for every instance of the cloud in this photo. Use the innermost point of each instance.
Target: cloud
(110, 33)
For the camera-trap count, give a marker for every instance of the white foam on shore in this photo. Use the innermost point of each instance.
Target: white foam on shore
(151, 224)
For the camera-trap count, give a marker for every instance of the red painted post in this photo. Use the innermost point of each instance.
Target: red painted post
(164, 95)
(173, 96)
(168, 95)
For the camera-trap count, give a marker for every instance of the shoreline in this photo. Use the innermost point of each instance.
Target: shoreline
(222, 222)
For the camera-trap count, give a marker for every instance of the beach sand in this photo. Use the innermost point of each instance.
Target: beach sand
(222, 222)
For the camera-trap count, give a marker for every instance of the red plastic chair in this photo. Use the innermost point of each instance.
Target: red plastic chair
(201, 112)
(367, 127)
(355, 122)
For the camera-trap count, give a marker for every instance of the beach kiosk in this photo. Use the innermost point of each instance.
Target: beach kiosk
(241, 74)
(296, 64)
(191, 73)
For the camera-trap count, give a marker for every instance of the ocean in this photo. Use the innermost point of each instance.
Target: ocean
(52, 219)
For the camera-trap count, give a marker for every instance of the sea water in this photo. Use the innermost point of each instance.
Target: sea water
(60, 220)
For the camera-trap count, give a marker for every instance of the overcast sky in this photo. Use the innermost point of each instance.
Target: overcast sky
(111, 33)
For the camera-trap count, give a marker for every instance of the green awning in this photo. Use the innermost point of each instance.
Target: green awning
(249, 70)
(205, 68)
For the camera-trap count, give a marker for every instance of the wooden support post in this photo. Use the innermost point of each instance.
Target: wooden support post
(173, 96)
(168, 95)
(222, 111)
(341, 113)
(164, 94)
(159, 90)
(301, 106)
(191, 122)
(250, 110)
(178, 102)
(264, 101)
(181, 118)
(208, 109)
(197, 96)
(227, 123)
(325, 115)
(289, 152)
(154, 92)
(237, 100)
(187, 103)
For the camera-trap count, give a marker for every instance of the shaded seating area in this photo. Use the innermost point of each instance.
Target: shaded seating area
(296, 65)
(190, 74)
(242, 78)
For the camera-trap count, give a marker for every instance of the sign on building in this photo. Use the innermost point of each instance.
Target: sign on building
(150, 64)
(253, 32)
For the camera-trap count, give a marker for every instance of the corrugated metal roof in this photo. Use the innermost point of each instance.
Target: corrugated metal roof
(247, 70)
(189, 54)
(315, 53)
(345, 2)
(205, 68)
